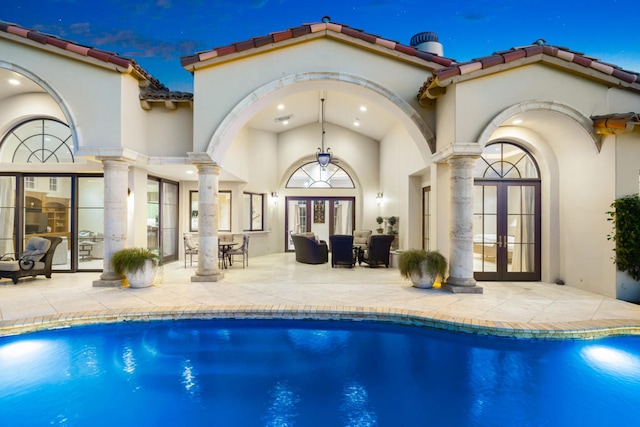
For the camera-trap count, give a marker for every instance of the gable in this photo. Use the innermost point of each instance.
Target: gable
(557, 57)
(308, 32)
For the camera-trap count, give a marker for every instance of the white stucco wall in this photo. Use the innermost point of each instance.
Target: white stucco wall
(478, 101)
(399, 159)
(85, 91)
(169, 132)
(221, 87)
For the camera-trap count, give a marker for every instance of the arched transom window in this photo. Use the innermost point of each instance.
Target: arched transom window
(312, 175)
(38, 141)
(505, 161)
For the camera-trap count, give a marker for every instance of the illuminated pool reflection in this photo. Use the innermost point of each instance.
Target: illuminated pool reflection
(284, 373)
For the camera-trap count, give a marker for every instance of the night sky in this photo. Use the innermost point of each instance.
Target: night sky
(157, 33)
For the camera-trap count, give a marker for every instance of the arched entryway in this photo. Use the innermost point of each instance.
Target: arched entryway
(507, 213)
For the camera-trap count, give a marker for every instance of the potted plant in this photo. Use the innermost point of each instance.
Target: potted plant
(392, 222)
(138, 265)
(379, 220)
(422, 267)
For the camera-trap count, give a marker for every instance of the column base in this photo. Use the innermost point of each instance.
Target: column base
(110, 283)
(457, 289)
(215, 277)
(458, 285)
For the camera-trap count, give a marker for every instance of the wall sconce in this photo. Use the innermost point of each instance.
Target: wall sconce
(274, 197)
(379, 199)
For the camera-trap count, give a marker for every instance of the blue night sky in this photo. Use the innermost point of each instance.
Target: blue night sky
(157, 33)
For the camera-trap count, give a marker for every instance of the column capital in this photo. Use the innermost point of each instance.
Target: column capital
(457, 149)
(115, 162)
(204, 163)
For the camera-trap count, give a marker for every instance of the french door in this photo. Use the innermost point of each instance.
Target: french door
(506, 230)
(323, 216)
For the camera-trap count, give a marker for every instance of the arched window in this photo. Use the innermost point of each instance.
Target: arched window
(505, 161)
(311, 175)
(38, 141)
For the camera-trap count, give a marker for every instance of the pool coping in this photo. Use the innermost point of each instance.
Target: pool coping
(582, 329)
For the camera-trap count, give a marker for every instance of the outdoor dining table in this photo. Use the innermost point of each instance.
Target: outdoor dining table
(224, 248)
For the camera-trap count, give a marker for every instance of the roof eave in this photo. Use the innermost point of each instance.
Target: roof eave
(385, 50)
(437, 87)
(121, 67)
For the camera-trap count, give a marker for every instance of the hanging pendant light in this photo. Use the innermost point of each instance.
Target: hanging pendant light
(323, 155)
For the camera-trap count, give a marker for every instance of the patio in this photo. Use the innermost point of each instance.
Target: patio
(275, 286)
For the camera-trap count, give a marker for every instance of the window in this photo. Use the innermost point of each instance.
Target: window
(312, 175)
(38, 141)
(426, 218)
(253, 212)
(505, 161)
(29, 182)
(53, 184)
(224, 211)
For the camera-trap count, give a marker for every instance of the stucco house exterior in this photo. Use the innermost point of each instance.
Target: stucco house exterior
(507, 163)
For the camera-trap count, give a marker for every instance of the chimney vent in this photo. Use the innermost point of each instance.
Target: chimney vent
(427, 42)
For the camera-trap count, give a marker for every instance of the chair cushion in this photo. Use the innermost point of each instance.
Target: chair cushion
(189, 243)
(361, 237)
(9, 266)
(36, 248)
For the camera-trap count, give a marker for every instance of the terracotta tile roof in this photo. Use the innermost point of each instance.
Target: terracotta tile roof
(148, 97)
(114, 60)
(515, 57)
(615, 124)
(435, 61)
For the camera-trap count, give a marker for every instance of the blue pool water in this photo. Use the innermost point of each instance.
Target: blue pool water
(308, 373)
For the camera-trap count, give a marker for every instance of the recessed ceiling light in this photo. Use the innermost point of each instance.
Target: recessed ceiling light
(14, 82)
(517, 121)
(356, 122)
(363, 108)
(280, 106)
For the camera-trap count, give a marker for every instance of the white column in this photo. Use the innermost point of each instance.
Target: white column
(460, 278)
(116, 184)
(207, 270)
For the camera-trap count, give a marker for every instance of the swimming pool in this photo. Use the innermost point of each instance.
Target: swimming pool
(311, 373)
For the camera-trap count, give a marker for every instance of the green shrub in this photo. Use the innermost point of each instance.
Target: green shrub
(626, 234)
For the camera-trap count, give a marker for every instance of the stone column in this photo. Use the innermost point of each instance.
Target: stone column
(460, 278)
(207, 270)
(116, 184)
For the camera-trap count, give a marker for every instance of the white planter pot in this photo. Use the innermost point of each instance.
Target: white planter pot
(144, 277)
(423, 279)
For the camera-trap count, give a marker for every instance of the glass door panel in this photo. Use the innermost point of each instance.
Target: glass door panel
(485, 228)
(342, 217)
(169, 221)
(47, 212)
(296, 219)
(320, 223)
(7, 214)
(90, 246)
(521, 228)
(153, 214)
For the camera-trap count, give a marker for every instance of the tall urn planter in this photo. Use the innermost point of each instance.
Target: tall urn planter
(138, 265)
(422, 267)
